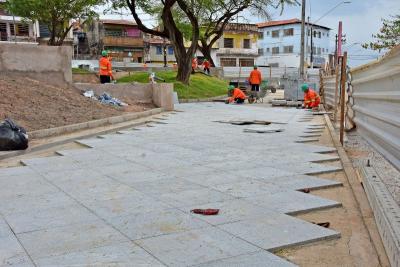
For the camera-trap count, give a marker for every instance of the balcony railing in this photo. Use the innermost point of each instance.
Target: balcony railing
(123, 41)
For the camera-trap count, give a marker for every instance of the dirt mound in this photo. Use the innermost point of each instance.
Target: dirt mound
(36, 105)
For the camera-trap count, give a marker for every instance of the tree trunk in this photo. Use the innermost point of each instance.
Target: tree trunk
(206, 51)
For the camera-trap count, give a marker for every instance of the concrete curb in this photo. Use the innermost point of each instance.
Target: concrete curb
(360, 197)
(91, 124)
(202, 99)
(85, 126)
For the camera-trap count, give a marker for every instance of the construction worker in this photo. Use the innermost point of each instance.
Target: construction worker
(236, 95)
(194, 64)
(105, 69)
(311, 98)
(255, 79)
(206, 66)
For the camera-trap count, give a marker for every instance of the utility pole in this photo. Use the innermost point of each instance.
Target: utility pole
(312, 48)
(303, 18)
(306, 34)
(336, 55)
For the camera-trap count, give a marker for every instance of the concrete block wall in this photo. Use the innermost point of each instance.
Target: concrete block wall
(46, 63)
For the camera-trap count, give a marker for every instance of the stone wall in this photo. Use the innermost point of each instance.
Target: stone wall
(46, 63)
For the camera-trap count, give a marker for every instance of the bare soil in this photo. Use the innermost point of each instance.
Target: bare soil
(36, 105)
(354, 247)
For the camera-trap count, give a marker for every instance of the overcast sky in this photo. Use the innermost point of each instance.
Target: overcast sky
(361, 18)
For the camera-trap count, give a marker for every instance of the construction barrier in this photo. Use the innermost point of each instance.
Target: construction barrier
(374, 104)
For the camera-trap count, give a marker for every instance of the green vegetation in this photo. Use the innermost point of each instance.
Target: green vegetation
(201, 86)
(80, 71)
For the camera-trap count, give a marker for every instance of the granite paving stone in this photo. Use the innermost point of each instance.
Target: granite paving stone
(196, 246)
(12, 253)
(258, 259)
(278, 231)
(155, 223)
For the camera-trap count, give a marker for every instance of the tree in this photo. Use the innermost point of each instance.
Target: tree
(215, 15)
(388, 36)
(56, 14)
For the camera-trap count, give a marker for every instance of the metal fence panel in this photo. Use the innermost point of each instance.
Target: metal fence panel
(331, 99)
(376, 96)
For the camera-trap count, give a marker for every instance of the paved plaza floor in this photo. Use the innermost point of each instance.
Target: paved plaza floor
(125, 199)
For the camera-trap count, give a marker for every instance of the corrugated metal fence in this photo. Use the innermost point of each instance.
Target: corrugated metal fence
(374, 104)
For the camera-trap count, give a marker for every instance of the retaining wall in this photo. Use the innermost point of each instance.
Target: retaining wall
(160, 94)
(46, 63)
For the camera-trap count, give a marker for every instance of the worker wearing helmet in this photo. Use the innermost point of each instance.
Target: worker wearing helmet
(105, 68)
(206, 66)
(311, 98)
(255, 79)
(236, 95)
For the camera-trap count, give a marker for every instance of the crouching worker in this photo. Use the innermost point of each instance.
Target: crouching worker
(236, 95)
(311, 98)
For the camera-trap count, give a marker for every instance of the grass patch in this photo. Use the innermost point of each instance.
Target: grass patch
(80, 71)
(201, 86)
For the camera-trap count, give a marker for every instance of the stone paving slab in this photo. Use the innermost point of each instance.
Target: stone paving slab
(72, 238)
(155, 223)
(85, 206)
(258, 259)
(292, 202)
(122, 254)
(277, 232)
(12, 253)
(196, 247)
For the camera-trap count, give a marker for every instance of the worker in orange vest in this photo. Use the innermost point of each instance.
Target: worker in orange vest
(311, 98)
(206, 66)
(255, 79)
(236, 95)
(194, 64)
(105, 68)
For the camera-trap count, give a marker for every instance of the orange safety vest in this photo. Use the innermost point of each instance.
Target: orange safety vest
(105, 67)
(237, 93)
(255, 77)
(206, 64)
(311, 99)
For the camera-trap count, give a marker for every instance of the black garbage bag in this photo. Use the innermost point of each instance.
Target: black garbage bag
(12, 136)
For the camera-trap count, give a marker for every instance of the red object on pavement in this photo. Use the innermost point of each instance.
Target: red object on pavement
(206, 211)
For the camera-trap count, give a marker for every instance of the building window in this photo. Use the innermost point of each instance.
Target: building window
(319, 51)
(159, 50)
(315, 34)
(228, 42)
(275, 50)
(260, 51)
(327, 34)
(268, 50)
(170, 50)
(288, 32)
(314, 50)
(228, 62)
(267, 33)
(21, 29)
(288, 49)
(308, 49)
(275, 34)
(246, 43)
(319, 34)
(260, 35)
(3, 32)
(246, 62)
(308, 32)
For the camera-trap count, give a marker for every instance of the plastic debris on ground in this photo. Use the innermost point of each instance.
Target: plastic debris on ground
(105, 98)
(12, 136)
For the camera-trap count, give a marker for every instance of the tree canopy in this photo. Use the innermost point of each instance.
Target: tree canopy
(388, 36)
(56, 14)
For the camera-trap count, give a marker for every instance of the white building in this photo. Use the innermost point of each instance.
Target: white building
(279, 43)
